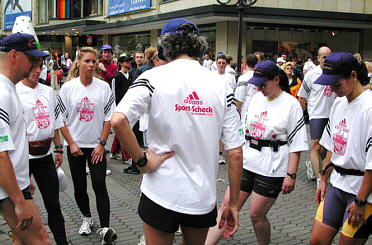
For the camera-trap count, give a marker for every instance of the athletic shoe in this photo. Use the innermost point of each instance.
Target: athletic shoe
(108, 235)
(222, 160)
(309, 171)
(142, 240)
(87, 170)
(178, 232)
(113, 155)
(85, 228)
(131, 170)
(108, 172)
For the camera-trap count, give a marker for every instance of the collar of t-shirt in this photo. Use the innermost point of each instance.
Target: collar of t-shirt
(126, 75)
(7, 80)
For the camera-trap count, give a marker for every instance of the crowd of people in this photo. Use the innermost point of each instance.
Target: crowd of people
(175, 117)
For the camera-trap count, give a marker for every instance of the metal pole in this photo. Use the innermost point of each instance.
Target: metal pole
(240, 31)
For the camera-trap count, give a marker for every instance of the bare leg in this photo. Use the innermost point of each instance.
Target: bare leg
(215, 234)
(35, 234)
(315, 157)
(194, 236)
(259, 206)
(157, 237)
(322, 234)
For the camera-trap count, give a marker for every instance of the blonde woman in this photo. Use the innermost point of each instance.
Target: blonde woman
(87, 104)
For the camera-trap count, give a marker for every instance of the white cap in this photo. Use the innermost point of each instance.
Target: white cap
(280, 59)
(23, 24)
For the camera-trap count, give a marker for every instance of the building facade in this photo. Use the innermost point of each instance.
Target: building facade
(294, 27)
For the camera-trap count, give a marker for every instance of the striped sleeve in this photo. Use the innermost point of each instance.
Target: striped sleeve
(4, 116)
(144, 83)
(297, 137)
(109, 104)
(230, 99)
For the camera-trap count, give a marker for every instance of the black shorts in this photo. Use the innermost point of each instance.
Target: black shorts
(26, 194)
(167, 220)
(317, 126)
(265, 186)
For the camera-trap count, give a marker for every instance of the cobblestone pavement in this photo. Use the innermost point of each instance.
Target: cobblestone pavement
(291, 216)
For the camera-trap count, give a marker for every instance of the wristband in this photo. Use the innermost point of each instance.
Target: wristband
(58, 146)
(58, 152)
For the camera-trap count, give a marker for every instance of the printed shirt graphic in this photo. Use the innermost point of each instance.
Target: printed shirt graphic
(280, 119)
(41, 115)
(348, 136)
(13, 133)
(319, 97)
(339, 137)
(193, 105)
(85, 110)
(190, 109)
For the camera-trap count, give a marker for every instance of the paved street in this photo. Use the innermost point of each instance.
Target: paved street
(291, 216)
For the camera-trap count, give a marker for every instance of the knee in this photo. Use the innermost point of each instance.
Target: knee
(315, 146)
(255, 217)
(314, 241)
(43, 236)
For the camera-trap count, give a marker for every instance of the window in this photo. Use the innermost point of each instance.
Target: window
(129, 43)
(85, 8)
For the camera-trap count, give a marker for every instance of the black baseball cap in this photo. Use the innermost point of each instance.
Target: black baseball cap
(125, 58)
(263, 71)
(22, 42)
(335, 65)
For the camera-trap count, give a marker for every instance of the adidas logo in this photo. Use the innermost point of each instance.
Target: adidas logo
(343, 123)
(85, 99)
(38, 102)
(193, 99)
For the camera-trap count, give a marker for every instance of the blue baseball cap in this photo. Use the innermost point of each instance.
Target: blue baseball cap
(263, 71)
(106, 47)
(335, 65)
(22, 42)
(178, 25)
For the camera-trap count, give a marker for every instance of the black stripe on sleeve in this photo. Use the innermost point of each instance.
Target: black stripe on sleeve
(56, 112)
(300, 124)
(328, 128)
(4, 116)
(307, 89)
(109, 103)
(143, 82)
(369, 144)
(62, 106)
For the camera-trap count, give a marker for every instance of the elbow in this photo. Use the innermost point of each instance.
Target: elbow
(235, 155)
(118, 120)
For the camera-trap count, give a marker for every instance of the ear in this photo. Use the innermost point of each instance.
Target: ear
(276, 80)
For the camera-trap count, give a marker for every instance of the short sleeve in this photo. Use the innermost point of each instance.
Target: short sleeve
(136, 101)
(368, 139)
(304, 91)
(6, 140)
(232, 131)
(109, 104)
(62, 102)
(57, 112)
(297, 138)
(241, 90)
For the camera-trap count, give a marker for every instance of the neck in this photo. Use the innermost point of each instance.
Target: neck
(221, 73)
(277, 93)
(27, 82)
(6, 71)
(184, 56)
(86, 80)
(124, 70)
(248, 68)
(357, 90)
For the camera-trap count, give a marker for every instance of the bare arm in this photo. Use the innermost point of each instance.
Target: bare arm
(9, 183)
(127, 138)
(303, 103)
(239, 106)
(59, 155)
(231, 213)
(97, 154)
(322, 188)
(289, 183)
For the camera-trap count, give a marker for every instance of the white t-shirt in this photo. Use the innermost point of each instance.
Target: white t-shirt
(319, 97)
(85, 109)
(282, 117)
(13, 133)
(42, 115)
(309, 65)
(44, 72)
(348, 135)
(229, 79)
(214, 66)
(189, 112)
(244, 91)
(230, 70)
(207, 64)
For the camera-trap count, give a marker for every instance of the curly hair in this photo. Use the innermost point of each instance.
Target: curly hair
(183, 43)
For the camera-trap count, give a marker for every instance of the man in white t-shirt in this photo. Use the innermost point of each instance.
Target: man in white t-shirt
(221, 62)
(207, 63)
(229, 69)
(18, 53)
(319, 99)
(309, 65)
(190, 109)
(244, 91)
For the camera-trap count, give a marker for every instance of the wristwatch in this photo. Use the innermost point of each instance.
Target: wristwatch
(102, 142)
(359, 202)
(142, 162)
(293, 176)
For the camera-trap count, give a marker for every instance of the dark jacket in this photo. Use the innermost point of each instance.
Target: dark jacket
(121, 85)
(137, 72)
